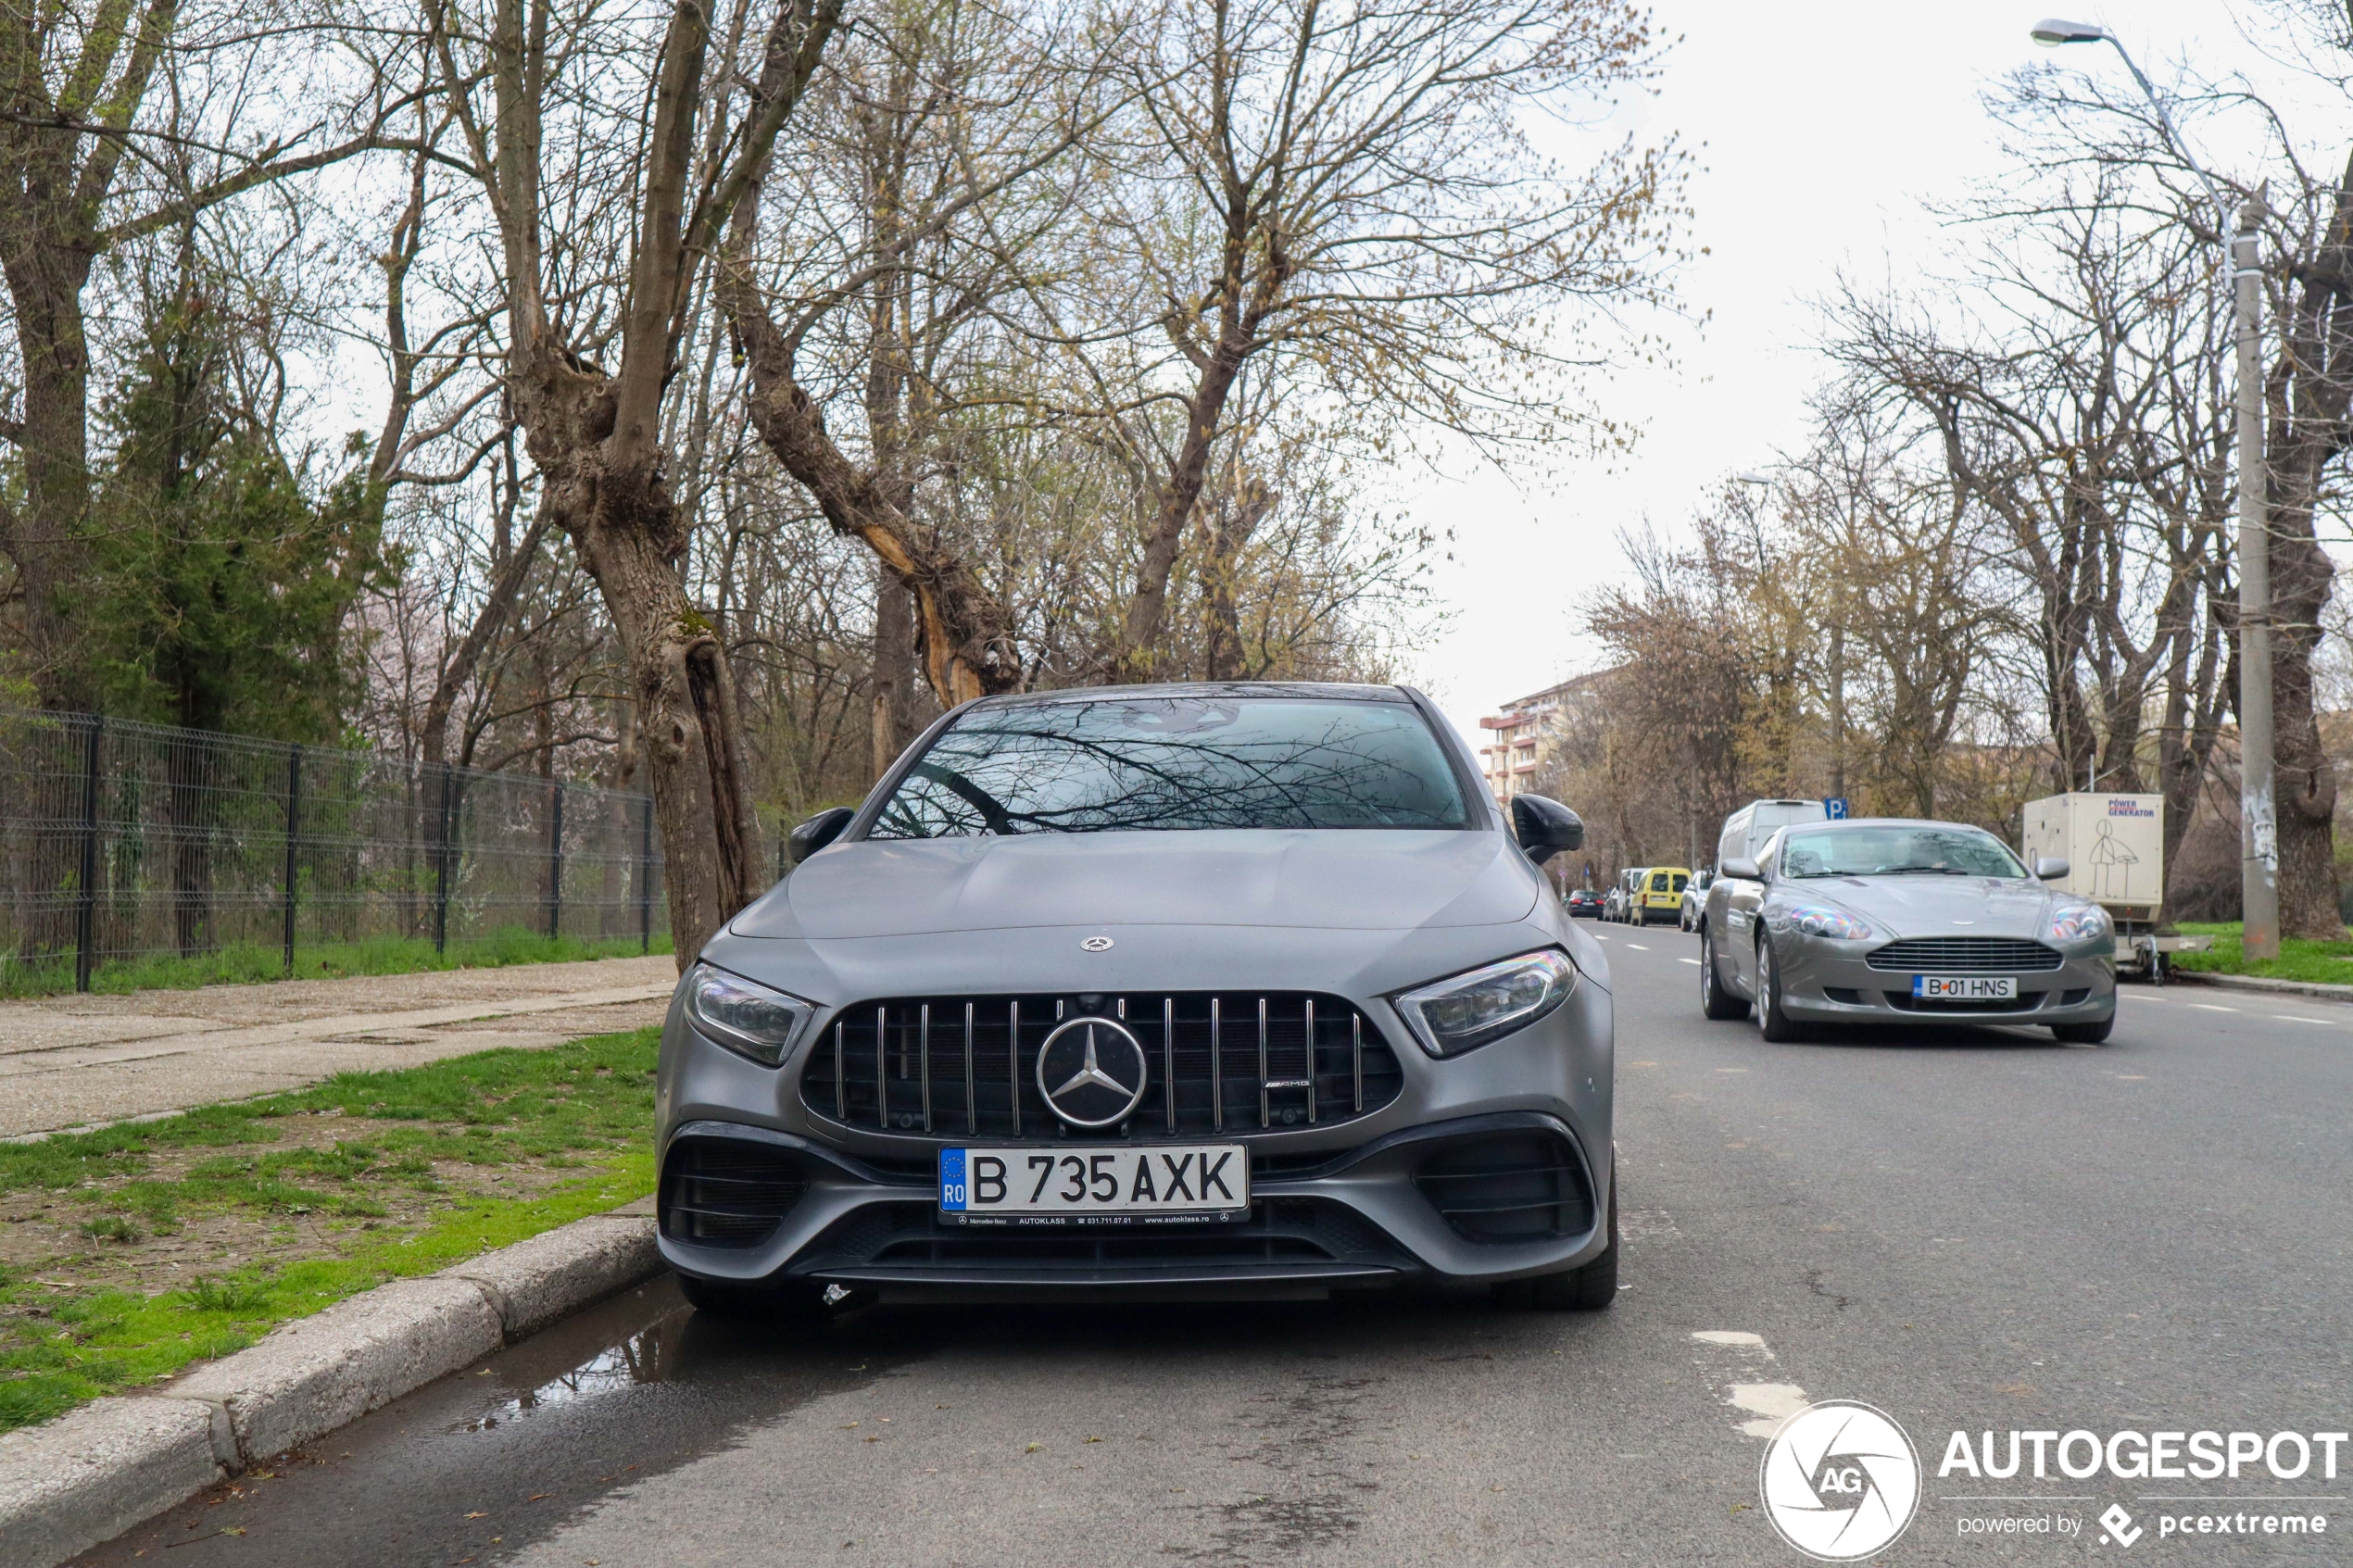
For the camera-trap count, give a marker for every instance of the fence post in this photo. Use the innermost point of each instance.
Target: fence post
(86, 914)
(646, 875)
(555, 865)
(294, 830)
(441, 866)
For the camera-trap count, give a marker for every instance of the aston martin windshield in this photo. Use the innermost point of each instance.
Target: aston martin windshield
(1898, 851)
(1178, 763)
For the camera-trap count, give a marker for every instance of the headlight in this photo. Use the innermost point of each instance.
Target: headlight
(748, 1019)
(1466, 1011)
(1819, 920)
(2080, 923)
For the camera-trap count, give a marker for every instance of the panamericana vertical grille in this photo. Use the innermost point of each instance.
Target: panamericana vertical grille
(967, 1066)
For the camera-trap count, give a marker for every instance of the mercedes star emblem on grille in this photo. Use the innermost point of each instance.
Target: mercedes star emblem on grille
(1091, 1072)
(1095, 945)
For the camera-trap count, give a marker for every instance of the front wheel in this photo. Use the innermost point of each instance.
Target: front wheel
(1592, 1288)
(2084, 1033)
(1772, 1022)
(1714, 1000)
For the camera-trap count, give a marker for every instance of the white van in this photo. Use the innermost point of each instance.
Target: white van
(1746, 830)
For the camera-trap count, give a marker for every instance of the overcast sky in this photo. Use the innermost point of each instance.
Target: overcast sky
(1820, 127)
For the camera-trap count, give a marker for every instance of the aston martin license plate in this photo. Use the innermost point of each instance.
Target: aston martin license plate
(1965, 987)
(1080, 1183)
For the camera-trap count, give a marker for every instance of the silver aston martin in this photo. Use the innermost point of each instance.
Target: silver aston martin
(1884, 918)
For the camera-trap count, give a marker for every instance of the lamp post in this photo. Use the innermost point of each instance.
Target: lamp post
(2259, 824)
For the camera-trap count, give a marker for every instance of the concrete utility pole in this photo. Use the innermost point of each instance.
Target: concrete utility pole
(2259, 820)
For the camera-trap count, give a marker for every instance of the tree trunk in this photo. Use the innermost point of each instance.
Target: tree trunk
(894, 668)
(1228, 538)
(45, 286)
(2309, 393)
(965, 634)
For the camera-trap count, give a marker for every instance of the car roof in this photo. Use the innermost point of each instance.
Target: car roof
(1838, 823)
(1329, 690)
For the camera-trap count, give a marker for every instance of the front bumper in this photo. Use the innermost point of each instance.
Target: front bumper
(1366, 1219)
(1831, 982)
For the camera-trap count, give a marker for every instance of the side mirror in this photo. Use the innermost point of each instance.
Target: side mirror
(1740, 869)
(2050, 867)
(1545, 827)
(817, 832)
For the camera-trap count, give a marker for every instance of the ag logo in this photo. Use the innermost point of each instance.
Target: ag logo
(1840, 1480)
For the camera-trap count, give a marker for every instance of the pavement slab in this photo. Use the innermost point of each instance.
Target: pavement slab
(79, 1062)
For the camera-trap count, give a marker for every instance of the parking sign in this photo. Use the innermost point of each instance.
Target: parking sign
(1836, 810)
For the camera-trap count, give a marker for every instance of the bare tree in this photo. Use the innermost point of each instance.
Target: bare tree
(536, 94)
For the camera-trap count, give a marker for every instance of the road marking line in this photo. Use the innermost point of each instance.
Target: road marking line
(1770, 1404)
(1694, 962)
(1638, 946)
(2299, 1018)
(2210, 1007)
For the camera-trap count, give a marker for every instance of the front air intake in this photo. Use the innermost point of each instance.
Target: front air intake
(727, 1192)
(1509, 1186)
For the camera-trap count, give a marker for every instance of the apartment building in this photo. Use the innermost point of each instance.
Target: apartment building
(1524, 735)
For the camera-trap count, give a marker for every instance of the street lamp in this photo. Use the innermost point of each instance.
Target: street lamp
(2258, 825)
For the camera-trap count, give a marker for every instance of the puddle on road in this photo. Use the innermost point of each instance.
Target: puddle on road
(521, 1441)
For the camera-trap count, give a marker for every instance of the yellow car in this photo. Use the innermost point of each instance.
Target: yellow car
(1661, 897)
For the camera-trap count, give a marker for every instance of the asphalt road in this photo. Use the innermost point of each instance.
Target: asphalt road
(1969, 1229)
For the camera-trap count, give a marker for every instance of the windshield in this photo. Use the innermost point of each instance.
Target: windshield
(1122, 764)
(1898, 851)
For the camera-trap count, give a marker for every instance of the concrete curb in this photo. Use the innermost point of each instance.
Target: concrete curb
(2257, 982)
(95, 1471)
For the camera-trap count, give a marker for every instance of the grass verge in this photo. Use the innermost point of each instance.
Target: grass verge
(2330, 964)
(127, 1253)
(244, 963)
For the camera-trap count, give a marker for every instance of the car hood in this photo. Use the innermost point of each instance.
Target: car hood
(1343, 881)
(1933, 906)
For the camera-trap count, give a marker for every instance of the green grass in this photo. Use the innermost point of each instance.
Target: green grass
(244, 963)
(2328, 963)
(414, 1191)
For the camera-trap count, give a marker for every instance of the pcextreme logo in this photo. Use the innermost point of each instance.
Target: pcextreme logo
(1840, 1480)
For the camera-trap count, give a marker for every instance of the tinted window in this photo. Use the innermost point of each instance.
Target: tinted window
(1894, 851)
(1177, 763)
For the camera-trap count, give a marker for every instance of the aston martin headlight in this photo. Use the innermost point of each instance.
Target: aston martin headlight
(1465, 1012)
(2080, 923)
(1819, 920)
(747, 1018)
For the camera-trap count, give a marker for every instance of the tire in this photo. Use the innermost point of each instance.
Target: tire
(795, 1304)
(1772, 1022)
(1592, 1288)
(1714, 1000)
(2084, 1033)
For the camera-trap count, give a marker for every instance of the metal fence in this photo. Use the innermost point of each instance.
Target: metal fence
(124, 842)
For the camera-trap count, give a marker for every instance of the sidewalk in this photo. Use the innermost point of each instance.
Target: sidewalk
(77, 1061)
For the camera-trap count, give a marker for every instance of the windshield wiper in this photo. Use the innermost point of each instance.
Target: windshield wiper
(1915, 871)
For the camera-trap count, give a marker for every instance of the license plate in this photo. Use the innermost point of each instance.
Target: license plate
(1965, 987)
(1080, 1183)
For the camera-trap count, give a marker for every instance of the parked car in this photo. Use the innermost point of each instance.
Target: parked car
(1695, 900)
(1620, 900)
(1190, 991)
(1659, 894)
(1583, 903)
(1894, 918)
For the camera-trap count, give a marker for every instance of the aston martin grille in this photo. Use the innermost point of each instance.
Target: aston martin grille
(1964, 955)
(967, 1066)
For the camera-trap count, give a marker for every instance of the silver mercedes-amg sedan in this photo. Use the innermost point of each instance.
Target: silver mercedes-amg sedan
(1881, 920)
(1155, 992)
